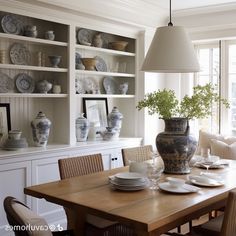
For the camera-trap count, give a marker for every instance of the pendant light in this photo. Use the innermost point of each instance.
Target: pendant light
(171, 51)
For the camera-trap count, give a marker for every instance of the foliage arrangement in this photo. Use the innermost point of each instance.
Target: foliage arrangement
(165, 103)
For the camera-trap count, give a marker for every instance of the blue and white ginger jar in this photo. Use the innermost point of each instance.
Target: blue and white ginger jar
(82, 128)
(115, 120)
(40, 130)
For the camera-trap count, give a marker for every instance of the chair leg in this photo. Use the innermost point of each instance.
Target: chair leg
(179, 229)
(190, 225)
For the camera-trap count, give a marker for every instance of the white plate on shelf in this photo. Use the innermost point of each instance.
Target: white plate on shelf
(79, 85)
(100, 64)
(19, 54)
(186, 188)
(12, 25)
(110, 85)
(84, 37)
(25, 83)
(6, 83)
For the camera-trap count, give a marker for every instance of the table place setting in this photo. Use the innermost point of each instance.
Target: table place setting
(177, 185)
(206, 180)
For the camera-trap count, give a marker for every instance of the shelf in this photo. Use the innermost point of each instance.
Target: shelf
(36, 68)
(33, 40)
(105, 50)
(104, 96)
(34, 95)
(92, 72)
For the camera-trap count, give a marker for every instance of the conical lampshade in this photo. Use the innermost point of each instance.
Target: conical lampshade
(171, 51)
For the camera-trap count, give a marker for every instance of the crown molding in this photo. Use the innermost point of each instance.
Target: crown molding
(205, 10)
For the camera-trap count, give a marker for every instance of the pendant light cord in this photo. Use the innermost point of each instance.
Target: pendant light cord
(170, 23)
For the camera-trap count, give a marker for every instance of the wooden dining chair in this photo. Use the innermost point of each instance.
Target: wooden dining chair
(83, 165)
(223, 225)
(25, 222)
(139, 154)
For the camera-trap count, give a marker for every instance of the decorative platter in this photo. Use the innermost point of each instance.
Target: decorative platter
(100, 64)
(77, 58)
(84, 37)
(6, 83)
(19, 54)
(79, 85)
(110, 85)
(24, 83)
(12, 25)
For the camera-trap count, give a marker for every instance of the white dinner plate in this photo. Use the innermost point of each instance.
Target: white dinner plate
(129, 175)
(186, 188)
(212, 183)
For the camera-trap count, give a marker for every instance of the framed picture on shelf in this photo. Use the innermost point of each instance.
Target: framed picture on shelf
(5, 119)
(96, 110)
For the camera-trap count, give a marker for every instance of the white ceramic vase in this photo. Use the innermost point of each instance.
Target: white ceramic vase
(40, 130)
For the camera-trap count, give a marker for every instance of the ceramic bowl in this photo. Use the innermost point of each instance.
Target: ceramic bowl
(119, 45)
(55, 60)
(43, 86)
(89, 63)
(175, 182)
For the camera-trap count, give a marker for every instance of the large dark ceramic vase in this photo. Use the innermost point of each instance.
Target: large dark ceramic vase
(176, 146)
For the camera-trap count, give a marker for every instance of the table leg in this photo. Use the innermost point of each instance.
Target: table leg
(76, 220)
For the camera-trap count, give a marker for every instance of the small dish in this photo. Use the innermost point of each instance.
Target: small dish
(24, 83)
(12, 25)
(100, 64)
(119, 45)
(19, 54)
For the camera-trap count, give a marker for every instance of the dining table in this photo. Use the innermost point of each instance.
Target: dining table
(146, 211)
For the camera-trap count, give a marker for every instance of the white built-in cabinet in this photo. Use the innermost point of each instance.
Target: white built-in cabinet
(34, 165)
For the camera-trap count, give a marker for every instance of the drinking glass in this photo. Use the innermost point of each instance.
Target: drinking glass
(153, 174)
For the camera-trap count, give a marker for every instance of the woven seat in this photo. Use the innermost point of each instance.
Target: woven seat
(25, 222)
(83, 165)
(139, 154)
(223, 225)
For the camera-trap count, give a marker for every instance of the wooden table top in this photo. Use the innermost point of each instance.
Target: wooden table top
(145, 210)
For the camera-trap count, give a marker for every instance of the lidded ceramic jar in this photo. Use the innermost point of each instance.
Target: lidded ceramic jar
(82, 128)
(97, 40)
(40, 129)
(49, 35)
(115, 120)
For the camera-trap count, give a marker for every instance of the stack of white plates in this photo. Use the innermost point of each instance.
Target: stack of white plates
(128, 181)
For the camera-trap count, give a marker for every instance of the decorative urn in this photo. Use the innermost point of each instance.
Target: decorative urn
(82, 128)
(176, 146)
(40, 129)
(115, 120)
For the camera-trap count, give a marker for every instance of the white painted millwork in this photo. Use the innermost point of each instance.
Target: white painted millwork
(37, 165)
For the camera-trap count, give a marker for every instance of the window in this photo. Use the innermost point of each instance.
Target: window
(209, 64)
(211, 56)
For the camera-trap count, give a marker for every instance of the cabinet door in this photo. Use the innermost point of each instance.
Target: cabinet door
(112, 159)
(43, 171)
(14, 178)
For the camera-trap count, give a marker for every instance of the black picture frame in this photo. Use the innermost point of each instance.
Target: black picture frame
(96, 110)
(5, 118)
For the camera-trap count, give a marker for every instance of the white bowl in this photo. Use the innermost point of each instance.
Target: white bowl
(175, 182)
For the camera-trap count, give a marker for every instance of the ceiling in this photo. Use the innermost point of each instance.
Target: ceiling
(186, 4)
(149, 13)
